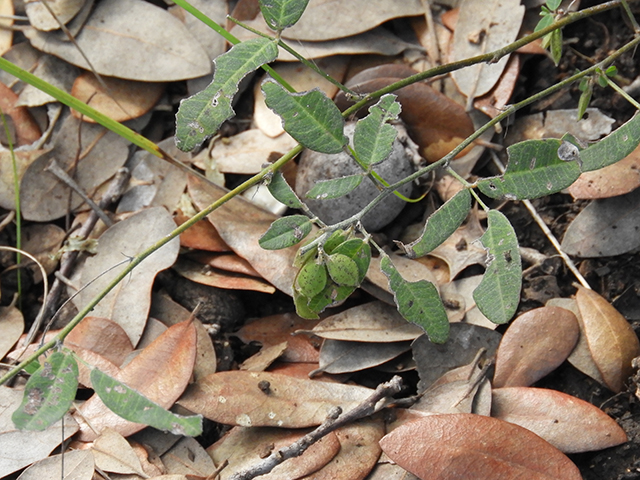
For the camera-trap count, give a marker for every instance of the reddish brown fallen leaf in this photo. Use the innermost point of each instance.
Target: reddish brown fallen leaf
(225, 261)
(123, 99)
(160, 372)
(103, 337)
(611, 181)
(264, 358)
(26, 128)
(301, 370)
(245, 447)
(612, 342)
(263, 399)
(493, 102)
(279, 328)
(203, 235)
(466, 446)
(535, 343)
(568, 423)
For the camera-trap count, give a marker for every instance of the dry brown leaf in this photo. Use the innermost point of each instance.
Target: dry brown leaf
(11, 326)
(450, 447)
(26, 130)
(339, 356)
(483, 27)
(240, 224)
(102, 336)
(203, 235)
(263, 399)
(128, 303)
(225, 261)
(130, 39)
(493, 102)
(187, 457)
(43, 241)
(371, 322)
(6, 34)
(76, 465)
(121, 101)
(245, 447)
(568, 423)
(618, 179)
(41, 17)
(22, 161)
(112, 453)
(264, 358)
(612, 342)
(160, 372)
(206, 275)
(535, 343)
(359, 451)
(458, 301)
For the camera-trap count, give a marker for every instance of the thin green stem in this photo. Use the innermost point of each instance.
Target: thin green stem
(617, 88)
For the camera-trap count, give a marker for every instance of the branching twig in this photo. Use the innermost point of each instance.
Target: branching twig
(334, 421)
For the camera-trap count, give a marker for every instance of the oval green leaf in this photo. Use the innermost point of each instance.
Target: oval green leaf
(131, 405)
(373, 137)
(418, 302)
(498, 294)
(282, 191)
(310, 117)
(285, 232)
(440, 225)
(343, 270)
(200, 115)
(359, 251)
(49, 393)
(334, 188)
(311, 279)
(612, 148)
(281, 14)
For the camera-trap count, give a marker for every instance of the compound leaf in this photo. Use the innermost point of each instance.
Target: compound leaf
(282, 191)
(280, 14)
(373, 138)
(310, 117)
(441, 225)
(498, 294)
(334, 188)
(285, 232)
(200, 115)
(418, 302)
(133, 406)
(534, 170)
(49, 393)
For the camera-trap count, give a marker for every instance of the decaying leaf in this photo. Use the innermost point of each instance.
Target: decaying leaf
(76, 465)
(568, 423)
(22, 161)
(102, 336)
(41, 17)
(263, 399)
(12, 325)
(535, 343)
(26, 128)
(187, 457)
(112, 453)
(339, 356)
(465, 445)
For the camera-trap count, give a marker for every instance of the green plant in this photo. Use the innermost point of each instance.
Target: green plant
(334, 262)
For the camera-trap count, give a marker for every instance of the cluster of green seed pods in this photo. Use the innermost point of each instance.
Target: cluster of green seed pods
(330, 274)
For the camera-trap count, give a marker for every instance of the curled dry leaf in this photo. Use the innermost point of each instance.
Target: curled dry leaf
(160, 372)
(244, 447)
(612, 342)
(535, 343)
(264, 399)
(450, 447)
(568, 423)
(121, 101)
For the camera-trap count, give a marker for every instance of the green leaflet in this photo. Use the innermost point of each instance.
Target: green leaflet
(498, 294)
(200, 115)
(310, 117)
(49, 393)
(282, 191)
(534, 170)
(130, 405)
(612, 148)
(418, 302)
(280, 14)
(285, 232)
(334, 188)
(441, 225)
(343, 270)
(373, 137)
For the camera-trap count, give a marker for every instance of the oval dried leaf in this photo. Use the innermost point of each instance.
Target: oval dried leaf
(535, 343)
(338, 356)
(12, 323)
(612, 342)
(464, 445)
(568, 423)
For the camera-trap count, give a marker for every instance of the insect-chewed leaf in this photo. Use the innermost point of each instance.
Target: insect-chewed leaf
(49, 393)
(441, 225)
(334, 188)
(282, 191)
(280, 14)
(498, 294)
(343, 270)
(311, 279)
(534, 170)
(418, 302)
(200, 115)
(374, 137)
(132, 406)
(613, 148)
(285, 232)
(310, 117)
(359, 251)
